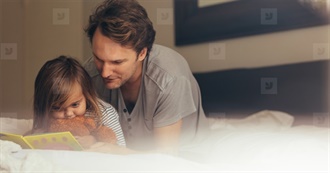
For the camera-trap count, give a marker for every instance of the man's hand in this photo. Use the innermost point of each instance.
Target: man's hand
(166, 139)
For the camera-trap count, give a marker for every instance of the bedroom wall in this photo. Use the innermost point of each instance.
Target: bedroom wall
(286, 47)
(52, 28)
(39, 33)
(41, 30)
(11, 58)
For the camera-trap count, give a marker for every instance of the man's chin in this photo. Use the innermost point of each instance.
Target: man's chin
(112, 86)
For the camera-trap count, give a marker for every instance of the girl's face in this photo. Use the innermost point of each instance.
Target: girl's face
(75, 105)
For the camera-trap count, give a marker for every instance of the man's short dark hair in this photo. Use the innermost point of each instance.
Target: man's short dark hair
(125, 22)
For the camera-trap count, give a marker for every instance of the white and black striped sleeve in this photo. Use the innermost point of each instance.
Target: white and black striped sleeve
(110, 118)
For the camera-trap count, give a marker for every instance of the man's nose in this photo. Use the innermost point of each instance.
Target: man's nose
(107, 70)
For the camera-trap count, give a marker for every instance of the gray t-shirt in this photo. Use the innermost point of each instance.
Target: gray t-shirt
(168, 93)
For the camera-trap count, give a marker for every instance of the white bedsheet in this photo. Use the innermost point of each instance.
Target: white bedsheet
(99, 162)
(264, 142)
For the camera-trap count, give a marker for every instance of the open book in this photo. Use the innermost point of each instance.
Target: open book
(50, 141)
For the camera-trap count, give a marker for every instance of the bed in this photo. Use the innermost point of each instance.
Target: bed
(251, 132)
(299, 89)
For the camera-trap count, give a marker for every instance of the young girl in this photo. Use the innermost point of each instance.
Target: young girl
(63, 89)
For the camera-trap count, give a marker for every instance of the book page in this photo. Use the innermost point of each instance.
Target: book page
(18, 139)
(54, 141)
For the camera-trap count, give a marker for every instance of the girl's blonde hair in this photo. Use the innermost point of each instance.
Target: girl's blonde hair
(54, 84)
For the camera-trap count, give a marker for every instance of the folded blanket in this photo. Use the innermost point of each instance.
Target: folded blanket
(268, 120)
(26, 163)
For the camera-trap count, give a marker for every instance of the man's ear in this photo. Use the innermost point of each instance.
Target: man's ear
(142, 55)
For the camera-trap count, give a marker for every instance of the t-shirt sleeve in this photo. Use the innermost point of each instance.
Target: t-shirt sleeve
(110, 119)
(175, 103)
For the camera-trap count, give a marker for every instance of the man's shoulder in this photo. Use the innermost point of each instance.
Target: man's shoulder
(165, 65)
(167, 58)
(160, 51)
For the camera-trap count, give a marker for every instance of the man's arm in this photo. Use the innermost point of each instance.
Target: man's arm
(167, 138)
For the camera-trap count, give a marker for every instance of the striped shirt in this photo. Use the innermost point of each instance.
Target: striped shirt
(110, 119)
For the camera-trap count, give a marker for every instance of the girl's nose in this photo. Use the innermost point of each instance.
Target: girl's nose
(68, 114)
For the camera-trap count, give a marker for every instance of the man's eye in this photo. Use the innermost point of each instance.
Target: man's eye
(118, 62)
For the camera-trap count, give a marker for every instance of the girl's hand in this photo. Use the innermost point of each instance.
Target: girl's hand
(86, 141)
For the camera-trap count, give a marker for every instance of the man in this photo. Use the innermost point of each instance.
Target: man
(151, 86)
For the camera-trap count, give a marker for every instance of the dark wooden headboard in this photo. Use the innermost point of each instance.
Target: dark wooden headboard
(300, 89)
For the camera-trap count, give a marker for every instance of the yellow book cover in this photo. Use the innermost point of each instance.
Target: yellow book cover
(48, 141)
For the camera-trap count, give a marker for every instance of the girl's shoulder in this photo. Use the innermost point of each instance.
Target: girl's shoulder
(104, 105)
